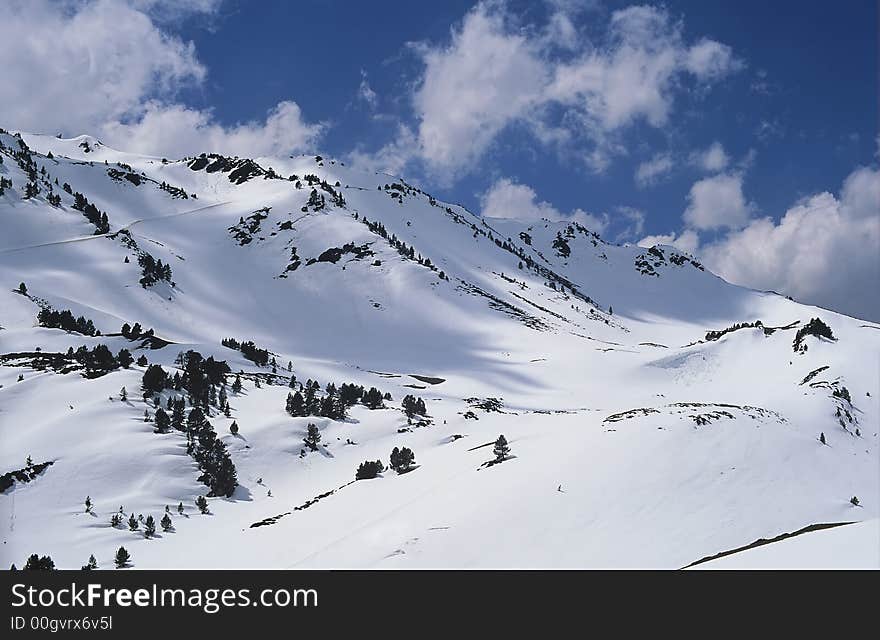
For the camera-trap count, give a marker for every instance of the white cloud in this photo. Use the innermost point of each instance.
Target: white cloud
(507, 199)
(651, 171)
(365, 91)
(391, 158)
(712, 159)
(74, 70)
(177, 131)
(104, 67)
(825, 250)
(709, 60)
(687, 240)
(482, 81)
(170, 10)
(718, 202)
(560, 86)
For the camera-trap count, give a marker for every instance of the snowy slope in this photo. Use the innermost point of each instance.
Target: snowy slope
(635, 440)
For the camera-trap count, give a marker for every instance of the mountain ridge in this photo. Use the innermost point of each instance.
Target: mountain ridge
(585, 354)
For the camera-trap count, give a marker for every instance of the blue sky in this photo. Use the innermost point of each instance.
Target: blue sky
(743, 132)
(805, 104)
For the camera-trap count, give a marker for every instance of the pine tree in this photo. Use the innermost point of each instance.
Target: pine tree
(29, 463)
(501, 450)
(142, 361)
(180, 508)
(177, 415)
(149, 527)
(202, 504)
(22, 289)
(822, 438)
(166, 522)
(115, 520)
(236, 385)
(163, 422)
(313, 437)
(133, 523)
(122, 558)
(233, 428)
(295, 404)
(124, 358)
(92, 564)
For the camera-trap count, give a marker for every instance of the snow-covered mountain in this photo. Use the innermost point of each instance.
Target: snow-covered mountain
(655, 414)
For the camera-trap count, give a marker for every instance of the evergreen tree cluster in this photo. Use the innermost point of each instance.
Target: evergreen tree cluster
(99, 360)
(815, 327)
(39, 563)
(136, 332)
(561, 245)
(200, 379)
(413, 406)
(368, 470)
(714, 335)
(402, 459)
(65, 320)
(249, 350)
(152, 270)
(334, 403)
(24, 157)
(405, 251)
(91, 212)
(218, 470)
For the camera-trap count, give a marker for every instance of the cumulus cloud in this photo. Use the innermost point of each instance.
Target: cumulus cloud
(825, 250)
(651, 171)
(177, 131)
(507, 199)
(74, 70)
(687, 240)
(486, 78)
(106, 68)
(714, 158)
(718, 202)
(554, 82)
